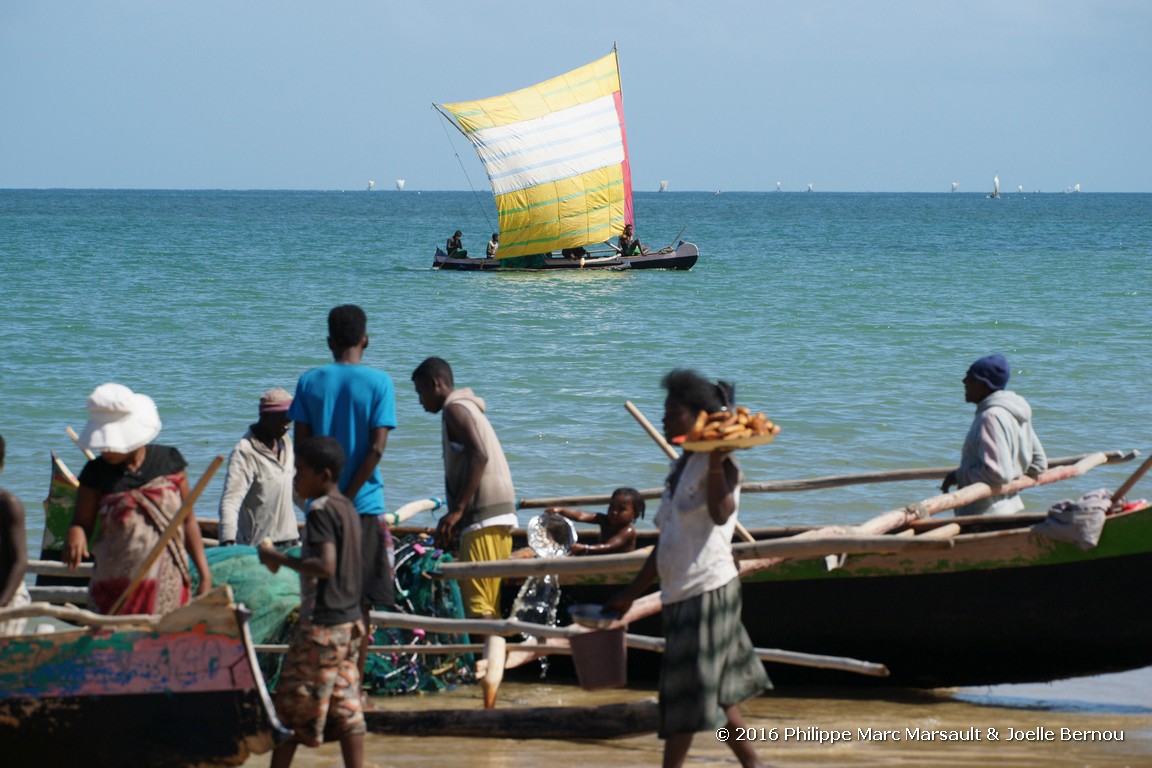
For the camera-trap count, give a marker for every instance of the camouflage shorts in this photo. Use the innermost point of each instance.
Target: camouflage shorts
(319, 691)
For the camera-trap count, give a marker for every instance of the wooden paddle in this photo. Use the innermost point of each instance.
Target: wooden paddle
(169, 532)
(741, 531)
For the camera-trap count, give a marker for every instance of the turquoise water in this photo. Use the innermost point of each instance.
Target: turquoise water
(848, 318)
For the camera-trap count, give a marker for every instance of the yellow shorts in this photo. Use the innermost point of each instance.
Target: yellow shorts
(482, 596)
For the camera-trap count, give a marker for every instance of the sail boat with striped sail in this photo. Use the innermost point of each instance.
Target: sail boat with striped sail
(556, 155)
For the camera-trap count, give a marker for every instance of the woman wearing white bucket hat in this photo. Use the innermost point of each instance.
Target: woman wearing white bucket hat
(134, 489)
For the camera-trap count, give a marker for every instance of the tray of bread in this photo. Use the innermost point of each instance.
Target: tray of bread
(729, 429)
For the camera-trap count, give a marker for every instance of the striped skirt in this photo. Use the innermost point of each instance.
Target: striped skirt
(708, 664)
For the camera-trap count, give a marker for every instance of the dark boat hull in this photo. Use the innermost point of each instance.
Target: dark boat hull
(156, 730)
(683, 257)
(1000, 607)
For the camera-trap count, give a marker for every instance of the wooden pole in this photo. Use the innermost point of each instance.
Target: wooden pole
(787, 548)
(433, 649)
(60, 595)
(76, 439)
(509, 627)
(57, 568)
(606, 721)
(74, 615)
(169, 532)
(814, 483)
(671, 453)
(1131, 481)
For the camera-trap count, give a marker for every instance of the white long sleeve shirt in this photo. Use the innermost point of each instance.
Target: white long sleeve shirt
(257, 499)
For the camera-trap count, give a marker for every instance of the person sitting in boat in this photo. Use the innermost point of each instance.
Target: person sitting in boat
(709, 665)
(257, 500)
(628, 244)
(455, 245)
(13, 556)
(1001, 444)
(493, 246)
(135, 489)
(617, 533)
(574, 253)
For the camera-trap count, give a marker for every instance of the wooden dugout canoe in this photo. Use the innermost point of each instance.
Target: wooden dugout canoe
(175, 690)
(1001, 606)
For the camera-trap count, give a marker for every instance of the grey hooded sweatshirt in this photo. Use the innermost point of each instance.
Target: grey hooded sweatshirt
(1000, 447)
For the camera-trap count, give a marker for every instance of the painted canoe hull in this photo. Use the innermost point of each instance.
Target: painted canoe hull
(683, 257)
(182, 693)
(1001, 607)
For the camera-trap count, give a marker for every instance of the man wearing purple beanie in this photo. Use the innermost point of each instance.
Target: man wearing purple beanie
(1001, 444)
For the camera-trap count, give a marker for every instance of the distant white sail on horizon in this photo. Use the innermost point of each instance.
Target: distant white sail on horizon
(664, 185)
(955, 186)
(400, 185)
(996, 185)
(1076, 188)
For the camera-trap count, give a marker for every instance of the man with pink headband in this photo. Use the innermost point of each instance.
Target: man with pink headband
(257, 499)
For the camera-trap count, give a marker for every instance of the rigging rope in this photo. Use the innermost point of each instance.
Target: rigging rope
(479, 204)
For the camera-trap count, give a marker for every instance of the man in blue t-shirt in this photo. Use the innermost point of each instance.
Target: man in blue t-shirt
(356, 405)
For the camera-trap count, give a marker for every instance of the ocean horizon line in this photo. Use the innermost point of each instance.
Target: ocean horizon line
(645, 192)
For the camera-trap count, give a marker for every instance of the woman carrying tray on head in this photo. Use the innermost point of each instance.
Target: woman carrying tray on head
(709, 665)
(134, 489)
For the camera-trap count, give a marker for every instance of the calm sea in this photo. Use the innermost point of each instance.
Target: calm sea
(848, 318)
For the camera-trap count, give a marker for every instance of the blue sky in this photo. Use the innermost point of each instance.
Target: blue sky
(847, 96)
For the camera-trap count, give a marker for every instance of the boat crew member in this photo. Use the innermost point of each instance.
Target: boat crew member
(455, 245)
(481, 498)
(709, 665)
(13, 556)
(257, 499)
(628, 244)
(493, 246)
(1001, 444)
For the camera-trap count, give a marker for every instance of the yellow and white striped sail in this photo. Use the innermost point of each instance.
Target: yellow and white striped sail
(556, 154)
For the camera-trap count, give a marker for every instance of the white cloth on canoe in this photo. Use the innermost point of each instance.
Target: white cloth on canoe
(1079, 522)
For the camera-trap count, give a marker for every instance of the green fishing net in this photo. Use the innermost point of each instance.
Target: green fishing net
(271, 597)
(397, 673)
(274, 600)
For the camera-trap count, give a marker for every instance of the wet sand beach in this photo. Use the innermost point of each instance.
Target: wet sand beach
(1023, 725)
